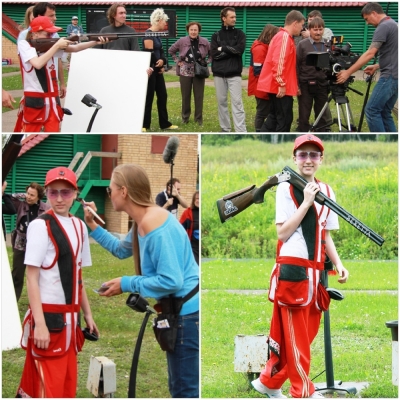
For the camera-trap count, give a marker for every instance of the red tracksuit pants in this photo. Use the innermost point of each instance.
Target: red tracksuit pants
(55, 377)
(52, 124)
(300, 327)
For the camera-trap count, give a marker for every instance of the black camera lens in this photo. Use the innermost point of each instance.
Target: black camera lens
(346, 48)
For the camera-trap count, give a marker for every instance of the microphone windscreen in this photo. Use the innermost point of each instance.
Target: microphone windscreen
(170, 149)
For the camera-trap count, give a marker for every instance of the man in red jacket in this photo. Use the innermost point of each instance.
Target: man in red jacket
(278, 77)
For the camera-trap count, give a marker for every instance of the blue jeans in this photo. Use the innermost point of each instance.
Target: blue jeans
(183, 363)
(378, 111)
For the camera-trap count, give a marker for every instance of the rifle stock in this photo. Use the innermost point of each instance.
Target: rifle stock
(10, 154)
(236, 202)
(42, 45)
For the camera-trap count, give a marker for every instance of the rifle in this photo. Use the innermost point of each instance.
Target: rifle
(10, 154)
(237, 202)
(234, 203)
(42, 45)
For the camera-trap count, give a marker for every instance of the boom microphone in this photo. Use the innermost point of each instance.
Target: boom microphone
(170, 149)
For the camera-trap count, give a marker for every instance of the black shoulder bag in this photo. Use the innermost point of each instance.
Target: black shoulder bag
(201, 71)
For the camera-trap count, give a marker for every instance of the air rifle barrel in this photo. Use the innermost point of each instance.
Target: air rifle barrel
(43, 45)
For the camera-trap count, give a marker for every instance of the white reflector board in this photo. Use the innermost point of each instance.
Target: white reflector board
(11, 329)
(117, 79)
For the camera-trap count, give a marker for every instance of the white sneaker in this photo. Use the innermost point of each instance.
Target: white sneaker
(317, 395)
(271, 393)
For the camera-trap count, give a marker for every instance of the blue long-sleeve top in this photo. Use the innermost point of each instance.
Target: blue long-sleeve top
(167, 262)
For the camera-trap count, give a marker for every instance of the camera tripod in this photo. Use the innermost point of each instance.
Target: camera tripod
(338, 94)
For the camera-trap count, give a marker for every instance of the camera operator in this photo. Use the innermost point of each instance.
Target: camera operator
(313, 83)
(305, 33)
(378, 110)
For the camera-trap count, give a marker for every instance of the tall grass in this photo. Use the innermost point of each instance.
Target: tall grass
(363, 175)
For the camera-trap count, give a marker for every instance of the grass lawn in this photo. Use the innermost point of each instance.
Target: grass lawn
(118, 326)
(361, 342)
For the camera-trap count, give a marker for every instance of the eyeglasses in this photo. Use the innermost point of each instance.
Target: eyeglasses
(109, 190)
(303, 155)
(64, 193)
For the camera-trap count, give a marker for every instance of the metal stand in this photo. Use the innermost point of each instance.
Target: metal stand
(90, 101)
(330, 385)
(172, 175)
(140, 304)
(338, 94)
(89, 128)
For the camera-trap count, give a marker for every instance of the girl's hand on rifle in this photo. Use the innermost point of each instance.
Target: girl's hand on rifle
(62, 43)
(310, 191)
(103, 40)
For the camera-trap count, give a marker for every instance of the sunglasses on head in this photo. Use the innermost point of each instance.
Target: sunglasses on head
(64, 193)
(303, 155)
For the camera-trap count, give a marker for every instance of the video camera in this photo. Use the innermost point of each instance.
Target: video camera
(338, 57)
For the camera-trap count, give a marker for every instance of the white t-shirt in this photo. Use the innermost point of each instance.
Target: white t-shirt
(22, 36)
(31, 81)
(40, 251)
(296, 246)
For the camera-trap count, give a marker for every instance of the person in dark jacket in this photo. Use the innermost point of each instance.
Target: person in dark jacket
(29, 206)
(158, 62)
(227, 47)
(6, 208)
(313, 83)
(190, 221)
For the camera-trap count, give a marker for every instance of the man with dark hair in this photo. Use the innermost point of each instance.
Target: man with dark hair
(313, 83)
(278, 78)
(116, 16)
(327, 33)
(45, 9)
(378, 111)
(171, 198)
(227, 47)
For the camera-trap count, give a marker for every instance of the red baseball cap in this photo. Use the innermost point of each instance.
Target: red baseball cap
(43, 23)
(304, 139)
(61, 174)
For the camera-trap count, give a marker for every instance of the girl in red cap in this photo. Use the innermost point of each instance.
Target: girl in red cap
(57, 249)
(299, 298)
(41, 107)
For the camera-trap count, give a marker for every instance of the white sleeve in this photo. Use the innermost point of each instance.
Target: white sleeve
(86, 256)
(285, 206)
(37, 243)
(26, 51)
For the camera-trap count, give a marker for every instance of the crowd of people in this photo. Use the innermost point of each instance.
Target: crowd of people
(278, 70)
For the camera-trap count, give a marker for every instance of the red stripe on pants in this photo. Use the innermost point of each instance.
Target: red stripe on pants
(300, 327)
(55, 377)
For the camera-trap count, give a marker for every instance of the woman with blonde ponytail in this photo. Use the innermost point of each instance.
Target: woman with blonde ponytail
(164, 265)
